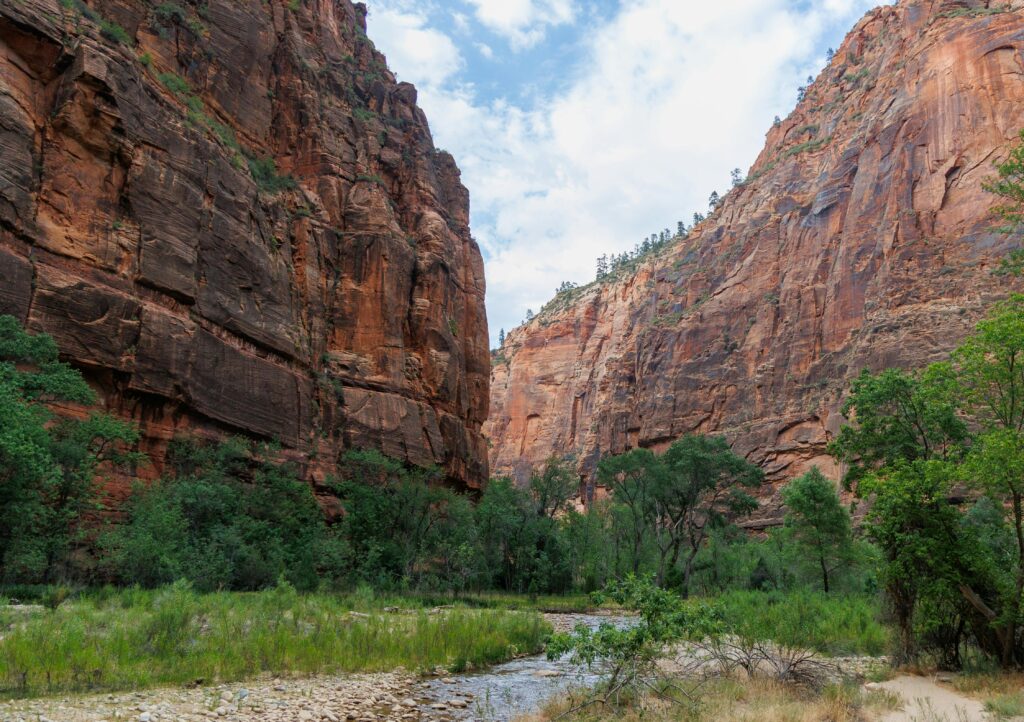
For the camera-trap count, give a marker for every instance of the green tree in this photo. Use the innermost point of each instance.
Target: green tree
(899, 415)
(819, 522)
(48, 464)
(632, 478)
(703, 487)
(677, 499)
(589, 536)
(505, 518)
(226, 516)
(554, 487)
(917, 530)
(990, 365)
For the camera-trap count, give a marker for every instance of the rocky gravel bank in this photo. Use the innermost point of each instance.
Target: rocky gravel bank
(363, 698)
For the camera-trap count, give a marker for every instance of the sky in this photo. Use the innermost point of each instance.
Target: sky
(582, 126)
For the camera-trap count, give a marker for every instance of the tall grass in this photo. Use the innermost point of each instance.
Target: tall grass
(132, 638)
(832, 624)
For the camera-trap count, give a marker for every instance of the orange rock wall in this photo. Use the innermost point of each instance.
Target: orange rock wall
(344, 312)
(862, 239)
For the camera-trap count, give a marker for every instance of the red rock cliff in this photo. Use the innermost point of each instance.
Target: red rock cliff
(234, 220)
(861, 239)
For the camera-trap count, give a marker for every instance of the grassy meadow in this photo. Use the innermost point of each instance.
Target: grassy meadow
(131, 639)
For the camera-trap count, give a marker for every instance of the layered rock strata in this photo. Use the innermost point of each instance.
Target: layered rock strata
(232, 217)
(862, 238)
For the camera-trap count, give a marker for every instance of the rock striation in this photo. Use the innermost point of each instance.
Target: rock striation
(861, 239)
(231, 216)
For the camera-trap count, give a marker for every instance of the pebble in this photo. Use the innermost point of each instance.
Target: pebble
(353, 698)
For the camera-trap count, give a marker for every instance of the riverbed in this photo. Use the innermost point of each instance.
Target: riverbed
(496, 694)
(505, 691)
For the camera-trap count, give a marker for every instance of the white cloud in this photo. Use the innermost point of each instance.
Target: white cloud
(461, 22)
(667, 98)
(420, 54)
(523, 22)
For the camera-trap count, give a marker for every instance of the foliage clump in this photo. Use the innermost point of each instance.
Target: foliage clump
(49, 464)
(951, 575)
(264, 172)
(627, 655)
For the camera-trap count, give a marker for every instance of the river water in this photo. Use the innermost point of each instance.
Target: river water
(505, 691)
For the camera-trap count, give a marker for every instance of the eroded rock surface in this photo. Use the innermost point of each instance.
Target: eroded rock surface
(233, 218)
(861, 239)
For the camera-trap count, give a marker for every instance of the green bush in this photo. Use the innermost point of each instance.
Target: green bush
(226, 519)
(264, 172)
(833, 624)
(48, 464)
(627, 656)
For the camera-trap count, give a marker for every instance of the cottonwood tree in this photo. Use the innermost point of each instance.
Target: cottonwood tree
(553, 487)
(909, 450)
(678, 498)
(917, 530)
(903, 421)
(818, 522)
(990, 370)
(899, 415)
(704, 487)
(633, 479)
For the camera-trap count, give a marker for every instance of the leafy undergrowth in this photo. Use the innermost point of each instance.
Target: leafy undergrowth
(130, 639)
(733, 700)
(831, 624)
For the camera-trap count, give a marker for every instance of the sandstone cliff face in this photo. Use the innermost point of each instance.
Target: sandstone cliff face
(147, 222)
(861, 239)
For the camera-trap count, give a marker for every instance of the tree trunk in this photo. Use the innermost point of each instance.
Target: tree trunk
(903, 603)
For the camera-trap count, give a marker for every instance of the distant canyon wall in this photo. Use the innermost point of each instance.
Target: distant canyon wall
(862, 238)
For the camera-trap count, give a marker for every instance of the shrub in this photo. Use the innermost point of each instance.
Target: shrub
(627, 656)
(48, 464)
(264, 172)
(226, 519)
(175, 83)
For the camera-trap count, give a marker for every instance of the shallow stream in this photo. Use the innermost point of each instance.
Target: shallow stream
(505, 691)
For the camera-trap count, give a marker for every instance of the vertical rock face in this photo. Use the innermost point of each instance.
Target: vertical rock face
(233, 219)
(861, 239)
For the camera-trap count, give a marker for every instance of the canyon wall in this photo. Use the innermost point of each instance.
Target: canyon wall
(233, 219)
(862, 238)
